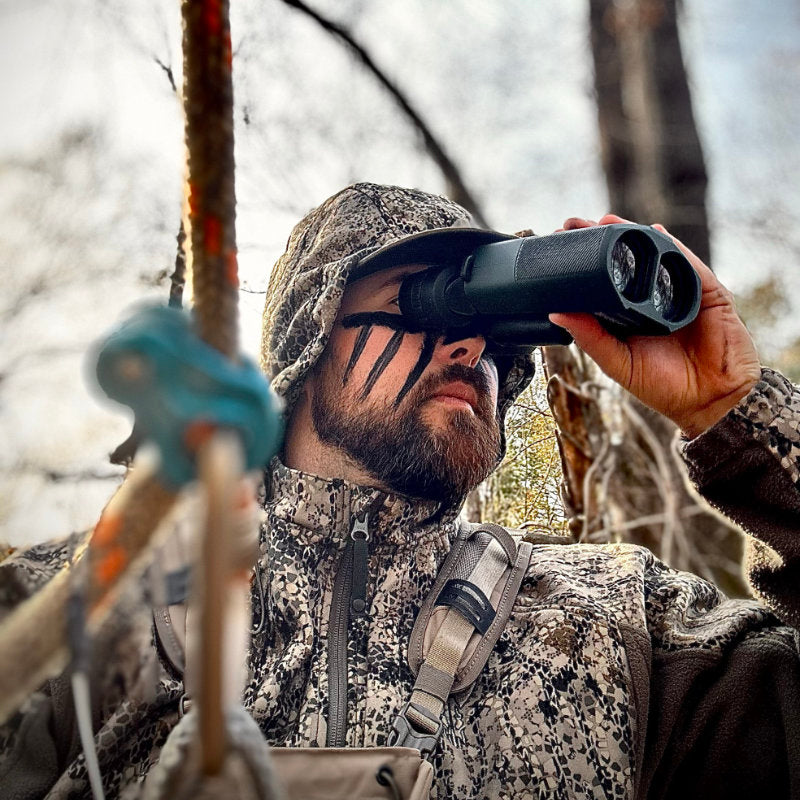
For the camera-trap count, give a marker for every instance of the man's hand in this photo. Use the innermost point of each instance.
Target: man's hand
(695, 375)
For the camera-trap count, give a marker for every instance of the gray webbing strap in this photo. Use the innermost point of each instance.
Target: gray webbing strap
(453, 637)
(418, 724)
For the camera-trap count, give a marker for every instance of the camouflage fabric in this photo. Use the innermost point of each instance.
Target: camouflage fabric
(553, 713)
(772, 416)
(604, 654)
(134, 698)
(739, 477)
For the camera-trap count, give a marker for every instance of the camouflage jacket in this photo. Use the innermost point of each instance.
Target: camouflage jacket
(615, 677)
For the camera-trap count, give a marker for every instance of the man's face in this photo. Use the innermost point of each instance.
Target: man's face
(416, 410)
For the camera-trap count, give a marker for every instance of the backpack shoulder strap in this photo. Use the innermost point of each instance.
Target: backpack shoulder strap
(170, 626)
(459, 624)
(170, 578)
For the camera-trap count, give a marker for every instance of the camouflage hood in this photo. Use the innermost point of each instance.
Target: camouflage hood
(329, 247)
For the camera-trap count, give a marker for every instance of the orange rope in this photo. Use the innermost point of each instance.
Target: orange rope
(211, 208)
(208, 105)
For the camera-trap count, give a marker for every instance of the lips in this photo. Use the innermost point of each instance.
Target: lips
(457, 391)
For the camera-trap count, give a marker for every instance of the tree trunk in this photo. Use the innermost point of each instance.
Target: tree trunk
(580, 432)
(650, 147)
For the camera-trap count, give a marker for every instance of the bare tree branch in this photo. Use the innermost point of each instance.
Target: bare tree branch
(63, 476)
(178, 278)
(124, 453)
(168, 71)
(456, 189)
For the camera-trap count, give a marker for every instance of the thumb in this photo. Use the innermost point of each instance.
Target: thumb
(609, 353)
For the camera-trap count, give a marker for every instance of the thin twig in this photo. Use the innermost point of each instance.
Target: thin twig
(587, 488)
(640, 522)
(177, 281)
(168, 71)
(664, 483)
(63, 476)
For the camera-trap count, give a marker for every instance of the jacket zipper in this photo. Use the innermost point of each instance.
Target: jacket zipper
(349, 600)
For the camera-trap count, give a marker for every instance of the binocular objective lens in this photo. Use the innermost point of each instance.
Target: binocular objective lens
(664, 293)
(623, 266)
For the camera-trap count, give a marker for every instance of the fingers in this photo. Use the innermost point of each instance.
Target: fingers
(612, 219)
(574, 223)
(708, 279)
(610, 354)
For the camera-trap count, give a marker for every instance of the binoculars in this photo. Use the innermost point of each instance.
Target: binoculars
(633, 278)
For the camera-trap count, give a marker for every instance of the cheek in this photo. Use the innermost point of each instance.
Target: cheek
(373, 359)
(489, 369)
(495, 384)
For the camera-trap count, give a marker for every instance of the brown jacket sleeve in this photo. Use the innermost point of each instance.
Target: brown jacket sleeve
(723, 717)
(748, 467)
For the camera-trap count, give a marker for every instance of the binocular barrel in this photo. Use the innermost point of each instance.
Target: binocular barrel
(633, 278)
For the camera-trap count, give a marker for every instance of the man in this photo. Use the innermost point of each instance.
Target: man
(614, 675)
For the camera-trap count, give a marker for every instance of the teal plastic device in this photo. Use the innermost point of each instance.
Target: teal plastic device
(174, 382)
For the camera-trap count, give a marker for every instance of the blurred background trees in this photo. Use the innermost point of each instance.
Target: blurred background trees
(625, 481)
(543, 113)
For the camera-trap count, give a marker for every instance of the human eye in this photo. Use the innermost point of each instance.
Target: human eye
(390, 300)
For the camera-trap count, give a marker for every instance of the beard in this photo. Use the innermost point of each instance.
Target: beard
(404, 451)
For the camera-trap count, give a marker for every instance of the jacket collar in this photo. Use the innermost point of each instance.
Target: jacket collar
(323, 509)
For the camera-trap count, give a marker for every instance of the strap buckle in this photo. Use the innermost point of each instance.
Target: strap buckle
(184, 704)
(404, 734)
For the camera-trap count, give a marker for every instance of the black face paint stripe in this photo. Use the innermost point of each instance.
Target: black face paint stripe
(400, 325)
(397, 322)
(358, 349)
(425, 356)
(389, 352)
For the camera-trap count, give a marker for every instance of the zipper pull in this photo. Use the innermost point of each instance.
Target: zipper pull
(359, 536)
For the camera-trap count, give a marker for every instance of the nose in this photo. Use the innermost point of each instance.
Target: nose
(467, 351)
